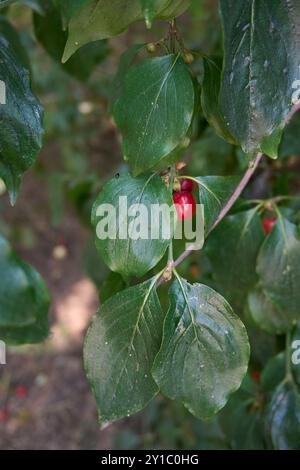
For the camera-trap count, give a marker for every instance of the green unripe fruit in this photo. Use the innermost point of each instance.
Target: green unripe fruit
(188, 58)
(151, 47)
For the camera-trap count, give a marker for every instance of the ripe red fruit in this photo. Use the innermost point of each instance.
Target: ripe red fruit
(21, 391)
(187, 185)
(185, 205)
(268, 223)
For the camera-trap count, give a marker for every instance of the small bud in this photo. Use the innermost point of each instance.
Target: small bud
(188, 58)
(180, 165)
(167, 275)
(151, 47)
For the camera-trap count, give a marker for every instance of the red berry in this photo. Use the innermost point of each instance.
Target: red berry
(185, 205)
(268, 223)
(4, 415)
(256, 376)
(21, 391)
(187, 185)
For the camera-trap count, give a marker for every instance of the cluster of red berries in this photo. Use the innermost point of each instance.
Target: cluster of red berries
(184, 200)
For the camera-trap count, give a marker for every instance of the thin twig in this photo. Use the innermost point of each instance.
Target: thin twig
(238, 191)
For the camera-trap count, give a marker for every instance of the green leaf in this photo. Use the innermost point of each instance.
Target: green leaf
(129, 254)
(214, 193)
(267, 315)
(278, 268)
(290, 144)
(241, 421)
(260, 69)
(210, 155)
(210, 97)
(273, 373)
(113, 284)
(173, 8)
(270, 144)
(21, 116)
(263, 346)
(15, 290)
(205, 350)
(100, 19)
(155, 110)
(150, 8)
(24, 300)
(48, 30)
(119, 350)
(164, 9)
(232, 248)
(68, 9)
(126, 60)
(93, 264)
(283, 417)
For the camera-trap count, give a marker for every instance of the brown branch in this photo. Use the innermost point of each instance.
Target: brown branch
(237, 192)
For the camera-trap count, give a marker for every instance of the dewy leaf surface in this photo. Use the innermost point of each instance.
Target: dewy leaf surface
(20, 116)
(261, 67)
(205, 350)
(155, 110)
(120, 348)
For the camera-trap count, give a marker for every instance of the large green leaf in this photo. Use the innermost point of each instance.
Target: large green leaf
(119, 351)
(290, 144)
(283, 417)
(126, 61)
(163, 8)
(267, 315)
(241, 419)
(278, 268)
(232, 249)
(128, 254)
(113, 284)
(68, 9)
(261, 65)
(102, 19)
(273, 373)
(155, 110)
(205, 350)
(49, 31)
(172, 8)
(24, 300)
(16, 292)
(21, 117)
(210, 97)
(214, 193)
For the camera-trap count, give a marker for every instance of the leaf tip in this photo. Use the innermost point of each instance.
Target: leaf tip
(70, 48)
